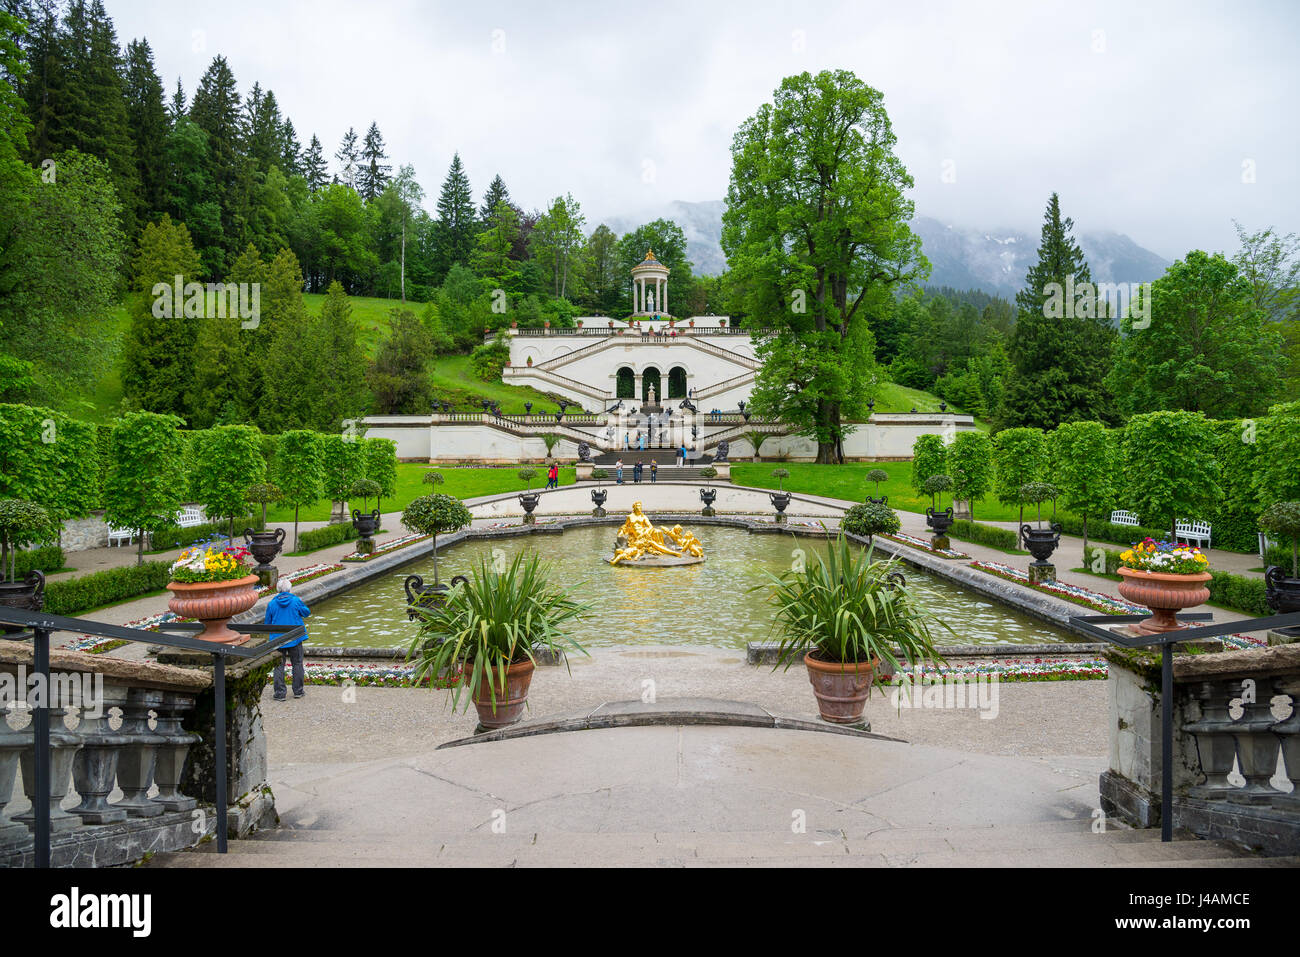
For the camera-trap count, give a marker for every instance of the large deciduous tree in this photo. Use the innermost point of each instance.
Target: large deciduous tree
(1206, 346)
(1084, 456)
(144, 488)
(816, 234)
(1170, 466)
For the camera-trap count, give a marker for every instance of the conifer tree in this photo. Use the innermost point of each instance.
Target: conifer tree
(454, 240)
(1061, 347)
(314, 167)
(374, 173)
(496, 193)
(349, 157)
(149, 126)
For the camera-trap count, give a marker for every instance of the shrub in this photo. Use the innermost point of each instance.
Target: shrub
(990, 535)
(87, 592)
(319, 538)
(48, 559)
(870, 519)
(1241, 594)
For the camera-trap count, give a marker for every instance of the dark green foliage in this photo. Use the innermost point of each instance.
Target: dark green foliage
(325, 537)
(870, 519)
(1246, 595)
(173, 536)
(488, 360)
(990, 535)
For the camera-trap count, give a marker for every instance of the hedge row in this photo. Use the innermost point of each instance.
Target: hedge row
(324, 537)
(990, 535)
(1114, 534)
(177, 537)
(97, 589)
(48, 558)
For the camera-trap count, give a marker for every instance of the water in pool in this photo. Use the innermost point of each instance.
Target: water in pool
(710, 603)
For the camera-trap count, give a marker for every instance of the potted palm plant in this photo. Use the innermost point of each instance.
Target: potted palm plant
(489, 627)
(845, 617)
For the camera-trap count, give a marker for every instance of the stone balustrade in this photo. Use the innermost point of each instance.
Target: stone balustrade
(1236, 760)
(127, 768)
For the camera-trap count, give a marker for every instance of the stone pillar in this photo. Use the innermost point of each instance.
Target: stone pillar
(12, 744)
(94, 769)
(63, 748)
(172, 754)
(665, 301)
(135, 767)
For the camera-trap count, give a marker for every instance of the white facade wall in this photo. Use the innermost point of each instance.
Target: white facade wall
(419, 438)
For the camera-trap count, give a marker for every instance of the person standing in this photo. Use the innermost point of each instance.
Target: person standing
(681, 454)
(553, 476)
(287, 608)
(654, 471)
(636, 472)
(618, 471)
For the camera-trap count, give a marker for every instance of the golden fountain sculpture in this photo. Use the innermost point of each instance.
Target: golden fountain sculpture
(639, 542)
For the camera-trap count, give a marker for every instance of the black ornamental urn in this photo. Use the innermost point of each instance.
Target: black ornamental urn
(1283, 596)
(939, 523)
(1041, 542)
(366, 526)
(529, 501)
(27, 595)
(780, 501)
(264, 547)
(419, 595)
(598, 496)
(708, 496)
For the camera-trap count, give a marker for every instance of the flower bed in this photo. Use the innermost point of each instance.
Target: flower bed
(1097, 601)
(391, 545)
(1165, 558)
(372, 676)
(904, 539)
(1009, 669)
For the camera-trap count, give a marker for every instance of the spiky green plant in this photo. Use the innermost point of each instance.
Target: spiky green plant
(492, 620)
(844, 608)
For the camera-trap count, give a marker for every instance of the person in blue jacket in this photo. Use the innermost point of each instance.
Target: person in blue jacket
(287, 608)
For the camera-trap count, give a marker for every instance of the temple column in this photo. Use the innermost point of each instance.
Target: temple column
(665, 303)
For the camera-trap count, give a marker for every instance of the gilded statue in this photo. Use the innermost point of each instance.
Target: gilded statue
(638, 537)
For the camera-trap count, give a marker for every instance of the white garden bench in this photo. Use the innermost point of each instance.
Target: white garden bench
(189, 517)
(1197, 532)
(120, 536)
(1121, 517)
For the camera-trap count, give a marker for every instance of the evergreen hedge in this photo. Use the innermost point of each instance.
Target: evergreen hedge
(87, 592)
(990, 535)
(50, 559)
(319, 538)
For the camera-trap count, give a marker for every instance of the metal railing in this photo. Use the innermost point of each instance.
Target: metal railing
(39, 626)
(1091, 625)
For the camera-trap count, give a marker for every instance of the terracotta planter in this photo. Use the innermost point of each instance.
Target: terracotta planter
(841, 688)
(510, 701)
(1165, 595)
(214, 604)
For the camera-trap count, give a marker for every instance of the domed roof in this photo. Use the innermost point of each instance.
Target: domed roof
(650, 264)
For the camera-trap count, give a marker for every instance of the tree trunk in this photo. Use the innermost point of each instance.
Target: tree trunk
(1085, 542)
(295, 528)
(139, 549)
(435, 558)
(403, 261)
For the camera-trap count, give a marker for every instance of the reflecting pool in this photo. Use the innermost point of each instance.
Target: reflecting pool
(706, 604)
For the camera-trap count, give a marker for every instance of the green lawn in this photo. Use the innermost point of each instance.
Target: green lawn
(849, 482)
(461, 483)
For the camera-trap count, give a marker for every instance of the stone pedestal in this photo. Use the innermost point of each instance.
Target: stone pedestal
(1041, 573)
(170, 764)
(365, 546)
(63, 748)
(1283, 636)
(94, 769)
(529, 519)
(12, 744)
(268, 575)
(136, 762)
(584, 470)
(724, 471)
(940, 542)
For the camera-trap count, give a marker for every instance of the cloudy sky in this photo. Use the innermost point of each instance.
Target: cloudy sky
(1162, 121)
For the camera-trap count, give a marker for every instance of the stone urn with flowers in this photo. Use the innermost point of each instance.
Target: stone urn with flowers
(1165, 577)
(211, 585)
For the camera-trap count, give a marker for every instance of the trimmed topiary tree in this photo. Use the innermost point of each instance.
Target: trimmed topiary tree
(1036, 493)
(934, 487)
(366, 489)
(527, 476)
(1019, 457)
(929, 457)
(379, 463)
(877, 476)
(142, 491)
(780, 475)
(434, 515)
(970, 462)
(1170, 466)
(227, 460)
(1086, 470)
(299, 472)
(21, 523)
(870, 519)
(263, 494)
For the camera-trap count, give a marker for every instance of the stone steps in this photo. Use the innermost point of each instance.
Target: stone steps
(1065, 843)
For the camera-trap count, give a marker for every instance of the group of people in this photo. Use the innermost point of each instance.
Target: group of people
(637, 471)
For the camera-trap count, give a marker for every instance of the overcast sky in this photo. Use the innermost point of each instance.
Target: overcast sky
(1145, 117)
